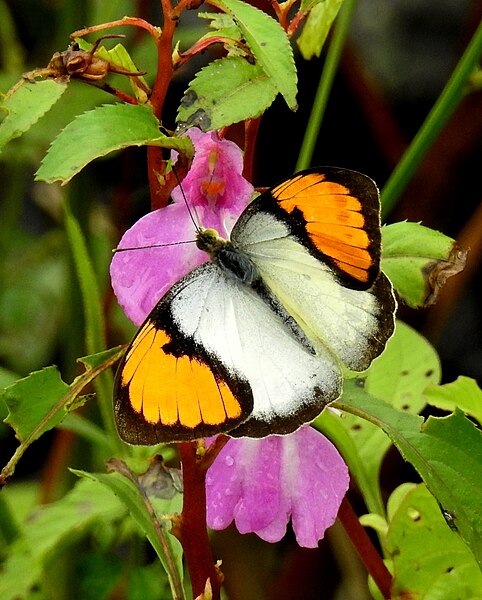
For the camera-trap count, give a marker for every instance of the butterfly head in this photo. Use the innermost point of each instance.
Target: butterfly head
(209, 241)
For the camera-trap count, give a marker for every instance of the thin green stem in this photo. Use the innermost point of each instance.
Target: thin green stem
(433, 125)
(94, 321)
(326, 81)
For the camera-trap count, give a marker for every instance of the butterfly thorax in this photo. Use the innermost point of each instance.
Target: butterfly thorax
(223, 253)
(209, 240)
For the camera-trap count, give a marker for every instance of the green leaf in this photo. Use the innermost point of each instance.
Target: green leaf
(25, 103)
(94, 318)
(463, 393)
(100, 131)
(418, 261)
(228, 90)
(399, 377)
(145, 583)
(32, 403)
(52, 529)
(337, 430)
(318, 24)
(429, 560)
(135, 498)
(224, 25)
(40, 401)
(268, 43)
(407, 366)
(447, 453)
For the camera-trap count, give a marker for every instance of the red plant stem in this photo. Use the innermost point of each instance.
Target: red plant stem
(202, 45)
(156, 165)
(132, 21)
(299, 17)
(191, 529)
(365, 549)
(251, 129)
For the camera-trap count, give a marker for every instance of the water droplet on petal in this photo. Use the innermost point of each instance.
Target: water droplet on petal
(228, 460)
(217, 523)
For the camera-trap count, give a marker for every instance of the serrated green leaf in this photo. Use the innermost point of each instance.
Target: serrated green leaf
(30, 402)
(447, 453)
(25, 103)
(39, 402)
(418, 260)
(222, 25)
(463, 393)
(50, 530)
(268, 43)
(430, 561)
(166, 546)
(99, 132)
(399, 377)
(228, 90)
(97, 360)
(318, 24)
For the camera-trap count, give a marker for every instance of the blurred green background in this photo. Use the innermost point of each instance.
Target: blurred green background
(399, 56)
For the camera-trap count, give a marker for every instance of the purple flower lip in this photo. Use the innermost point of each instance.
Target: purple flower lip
(261, 484)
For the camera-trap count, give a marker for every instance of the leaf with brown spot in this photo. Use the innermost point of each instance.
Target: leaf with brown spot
(418, 261)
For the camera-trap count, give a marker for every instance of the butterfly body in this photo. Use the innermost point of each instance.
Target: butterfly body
(256, 341)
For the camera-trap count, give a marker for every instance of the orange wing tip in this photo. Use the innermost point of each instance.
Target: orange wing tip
(340, 221)
(306, 184)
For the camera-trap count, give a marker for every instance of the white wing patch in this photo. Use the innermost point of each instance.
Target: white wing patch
(340, 320)
(236, 326)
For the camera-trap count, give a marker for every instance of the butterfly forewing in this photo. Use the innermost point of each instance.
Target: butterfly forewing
(338, 212)
(169, 388)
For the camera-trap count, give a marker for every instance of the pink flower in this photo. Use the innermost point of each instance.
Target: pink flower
(261, 483)
(215, 195)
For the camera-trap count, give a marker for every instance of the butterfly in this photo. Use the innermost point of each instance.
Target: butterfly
(256, 341)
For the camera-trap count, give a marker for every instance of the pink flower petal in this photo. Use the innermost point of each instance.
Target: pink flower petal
(261, 483)
(215, 182)
(141, 277)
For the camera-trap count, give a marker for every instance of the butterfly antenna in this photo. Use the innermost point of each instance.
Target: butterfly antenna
(124, 249)
(191, 210)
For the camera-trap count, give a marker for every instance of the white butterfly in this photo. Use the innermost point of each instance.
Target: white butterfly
(255, 341)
